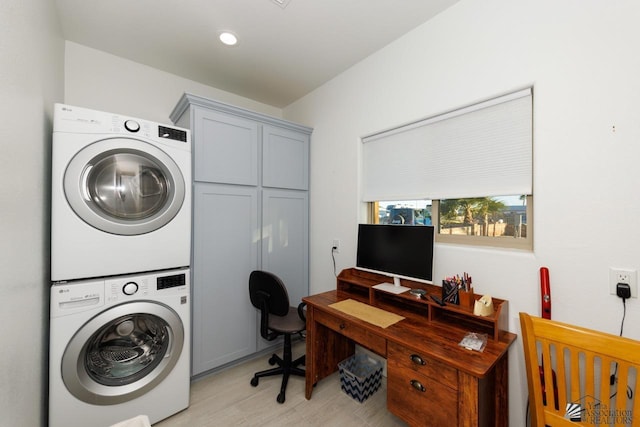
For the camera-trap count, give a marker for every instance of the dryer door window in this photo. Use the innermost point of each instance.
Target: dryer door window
(123, 352)
(124, 186)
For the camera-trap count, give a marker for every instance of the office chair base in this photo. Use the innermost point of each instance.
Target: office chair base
(285, 369)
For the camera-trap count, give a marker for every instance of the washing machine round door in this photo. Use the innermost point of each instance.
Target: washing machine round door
(122, 353)
(124, 186)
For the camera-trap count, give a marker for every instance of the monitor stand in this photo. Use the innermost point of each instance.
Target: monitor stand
(394, 288)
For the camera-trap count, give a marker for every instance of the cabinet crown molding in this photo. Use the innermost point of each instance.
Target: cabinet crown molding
(187, 100)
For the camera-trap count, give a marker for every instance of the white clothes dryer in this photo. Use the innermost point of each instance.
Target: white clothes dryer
(121, 195)
(119, 347)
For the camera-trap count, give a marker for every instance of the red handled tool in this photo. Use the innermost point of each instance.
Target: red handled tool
(545, 300)
(545, 293)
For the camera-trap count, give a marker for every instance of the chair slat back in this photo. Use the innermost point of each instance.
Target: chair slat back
(569, 372)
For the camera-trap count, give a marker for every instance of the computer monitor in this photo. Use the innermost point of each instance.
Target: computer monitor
(398, 251)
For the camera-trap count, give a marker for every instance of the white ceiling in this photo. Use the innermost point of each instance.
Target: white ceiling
(283, 53)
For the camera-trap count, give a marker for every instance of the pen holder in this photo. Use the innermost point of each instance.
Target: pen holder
(450, 292)
(466, 298)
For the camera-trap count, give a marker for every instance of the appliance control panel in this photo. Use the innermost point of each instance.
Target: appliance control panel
(77, 296)
(68, 118)
(123, 288)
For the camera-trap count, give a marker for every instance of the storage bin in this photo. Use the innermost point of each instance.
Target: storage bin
(360, 376)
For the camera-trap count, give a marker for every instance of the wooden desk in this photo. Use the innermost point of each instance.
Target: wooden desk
(431, 380)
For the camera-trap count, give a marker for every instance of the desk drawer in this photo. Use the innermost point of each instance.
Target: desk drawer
(420, 400)
(354, 331)
(405, 358)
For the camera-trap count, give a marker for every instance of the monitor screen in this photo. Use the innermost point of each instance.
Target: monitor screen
(396, 250)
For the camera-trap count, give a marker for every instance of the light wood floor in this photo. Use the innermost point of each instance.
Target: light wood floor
(227, 399)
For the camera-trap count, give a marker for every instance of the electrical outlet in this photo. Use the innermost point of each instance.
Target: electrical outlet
(623, 275)
(336, 246)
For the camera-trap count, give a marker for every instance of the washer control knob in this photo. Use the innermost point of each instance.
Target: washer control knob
(130, 288)
(132, 126)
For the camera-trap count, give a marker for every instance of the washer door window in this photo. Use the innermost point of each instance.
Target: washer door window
(124, 186)
(122, 353)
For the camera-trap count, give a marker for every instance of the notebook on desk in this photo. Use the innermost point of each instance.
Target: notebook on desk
(366, 312)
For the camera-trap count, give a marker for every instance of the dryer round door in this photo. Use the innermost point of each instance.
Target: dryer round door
(123, 352)
(124, 186)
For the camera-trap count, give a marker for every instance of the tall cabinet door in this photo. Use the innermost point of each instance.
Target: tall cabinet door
(285, 240)
(225, 244)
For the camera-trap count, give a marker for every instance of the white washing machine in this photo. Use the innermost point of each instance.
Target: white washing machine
(119, 347)
(121, 195)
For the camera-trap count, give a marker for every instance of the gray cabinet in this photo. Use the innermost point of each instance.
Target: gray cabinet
(251, 211)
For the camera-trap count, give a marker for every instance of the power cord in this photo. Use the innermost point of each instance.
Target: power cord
(623, 291)
(624, 314)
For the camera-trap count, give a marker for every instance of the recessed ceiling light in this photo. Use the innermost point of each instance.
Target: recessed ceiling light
(228, 38)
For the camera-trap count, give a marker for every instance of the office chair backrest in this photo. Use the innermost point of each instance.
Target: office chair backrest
(269, 295)
(267, 287)
(577, 376)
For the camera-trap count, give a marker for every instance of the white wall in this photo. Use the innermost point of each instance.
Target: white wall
(31, 80)
(99, 80)
(581, 56)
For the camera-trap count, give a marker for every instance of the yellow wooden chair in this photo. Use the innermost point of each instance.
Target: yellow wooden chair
(579, 377)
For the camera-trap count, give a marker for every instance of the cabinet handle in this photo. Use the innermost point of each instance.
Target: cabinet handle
(342, 326)
(417, 385)
(417, 359)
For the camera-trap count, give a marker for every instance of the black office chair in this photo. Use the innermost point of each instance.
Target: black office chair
(277, 317)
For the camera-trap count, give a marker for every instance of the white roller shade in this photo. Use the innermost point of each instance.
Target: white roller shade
(481, 150)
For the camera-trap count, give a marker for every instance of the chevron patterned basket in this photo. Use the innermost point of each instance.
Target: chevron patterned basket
(360, 376)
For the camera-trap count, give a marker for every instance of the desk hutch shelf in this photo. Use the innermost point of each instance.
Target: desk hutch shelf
(362, 282)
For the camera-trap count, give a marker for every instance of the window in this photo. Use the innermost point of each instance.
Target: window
(414, 212)
(500, 221)
(458, 165)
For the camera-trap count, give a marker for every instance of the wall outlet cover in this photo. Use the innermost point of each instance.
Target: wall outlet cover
(623, 275)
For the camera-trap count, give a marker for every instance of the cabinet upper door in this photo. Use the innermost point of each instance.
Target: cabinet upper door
(285, 158)
(225, 148)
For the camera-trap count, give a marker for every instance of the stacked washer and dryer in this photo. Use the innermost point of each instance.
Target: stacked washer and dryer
(120, 255)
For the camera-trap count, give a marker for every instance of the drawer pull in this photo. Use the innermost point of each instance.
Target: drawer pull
(417, 385)
(417, 360)
(342, 326)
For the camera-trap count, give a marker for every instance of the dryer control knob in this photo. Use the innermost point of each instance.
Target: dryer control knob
(130, 288)
(132, 126)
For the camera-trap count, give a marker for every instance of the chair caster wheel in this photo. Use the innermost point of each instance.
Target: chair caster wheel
(280, 398)
(254, 381)
(272, 360)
